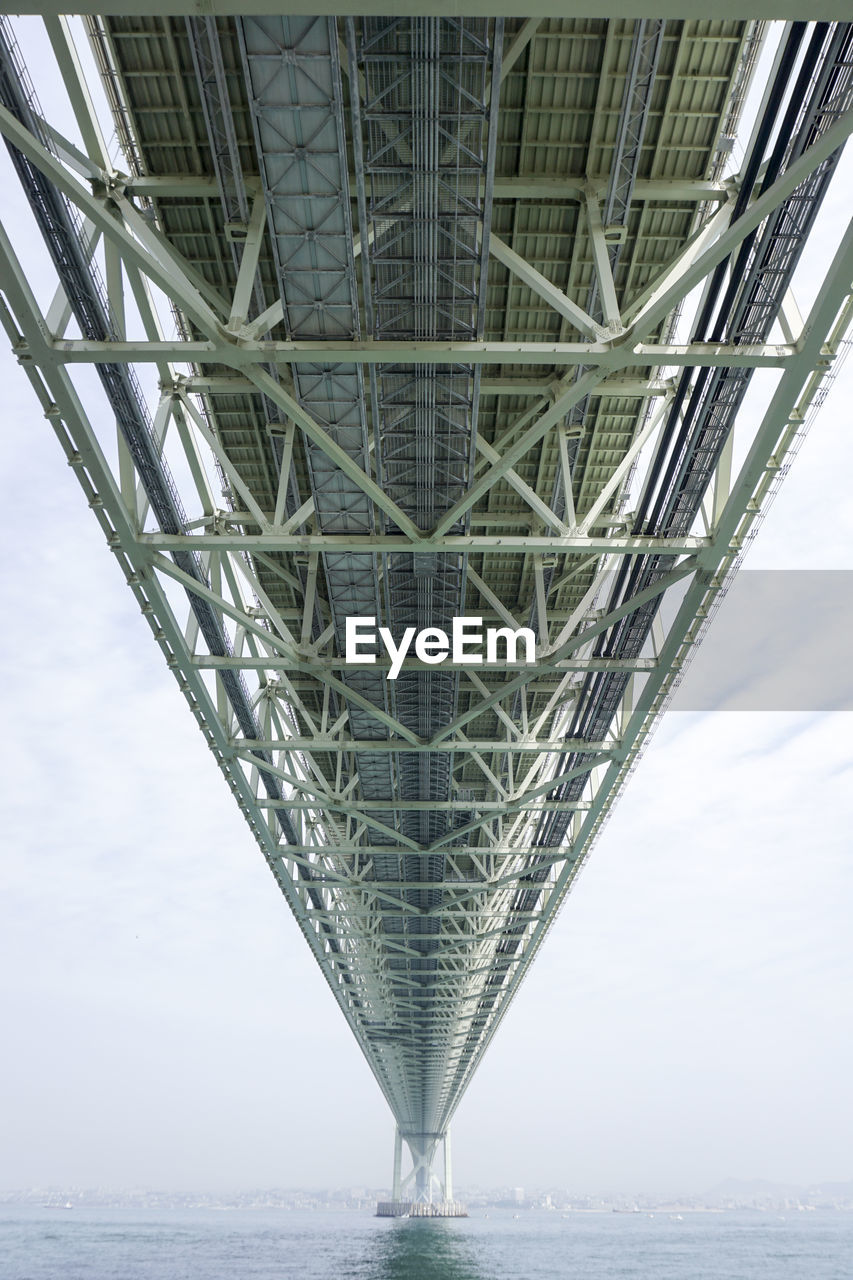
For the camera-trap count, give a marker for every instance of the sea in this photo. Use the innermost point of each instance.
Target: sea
(267, 1244)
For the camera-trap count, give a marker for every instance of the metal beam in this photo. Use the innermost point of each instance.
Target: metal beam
(526, 186)
(426, 806)
(395, 745)
(603, 268)
(670, 294)
(787, 9)
(271, 662)
(247, 353)
(544, 288)
(452, 544)
(537, 388)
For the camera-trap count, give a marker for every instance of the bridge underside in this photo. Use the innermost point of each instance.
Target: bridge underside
(397, 319)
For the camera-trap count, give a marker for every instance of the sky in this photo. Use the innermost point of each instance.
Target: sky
(686, 1020)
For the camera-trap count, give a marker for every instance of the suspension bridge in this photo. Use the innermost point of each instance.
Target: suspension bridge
(439, 324)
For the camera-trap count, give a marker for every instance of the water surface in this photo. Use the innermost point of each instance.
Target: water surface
(208, 1244)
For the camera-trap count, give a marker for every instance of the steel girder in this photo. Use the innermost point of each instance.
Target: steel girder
(531, 186)
(424, 95)
(636, 9)
(241, 619)
(293, 75)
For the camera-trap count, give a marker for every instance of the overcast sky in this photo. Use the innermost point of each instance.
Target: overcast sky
(165, 1025)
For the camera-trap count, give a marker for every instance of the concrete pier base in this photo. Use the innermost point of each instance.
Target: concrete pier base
(418, 1209)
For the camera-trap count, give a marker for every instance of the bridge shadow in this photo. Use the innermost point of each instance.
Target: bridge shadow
(422, 1250)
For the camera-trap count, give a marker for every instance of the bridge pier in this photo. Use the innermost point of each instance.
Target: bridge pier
(415, 1195)
(396, 1190)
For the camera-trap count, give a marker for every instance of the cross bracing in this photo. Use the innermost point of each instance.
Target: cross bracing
(423, 358)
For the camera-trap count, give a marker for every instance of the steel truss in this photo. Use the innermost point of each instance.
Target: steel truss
(437, 8)
(424, 836)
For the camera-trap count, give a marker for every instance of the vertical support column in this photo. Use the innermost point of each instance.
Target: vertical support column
(448, 1174)
(396, 1192)
(423, 1180)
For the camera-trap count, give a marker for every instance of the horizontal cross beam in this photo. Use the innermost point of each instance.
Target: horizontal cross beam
(499, 853)
(527, 186)
(606, 355)
(275, 662)
(231, 384)
(367, 746)
(460, 544)
(423, 806)
(789, 9)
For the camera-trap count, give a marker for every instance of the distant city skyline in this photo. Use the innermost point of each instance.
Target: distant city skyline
(730, 1194)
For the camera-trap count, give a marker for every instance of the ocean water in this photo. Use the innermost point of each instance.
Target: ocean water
(122, 1244)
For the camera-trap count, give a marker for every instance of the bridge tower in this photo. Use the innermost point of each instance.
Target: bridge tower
(422, 1191)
